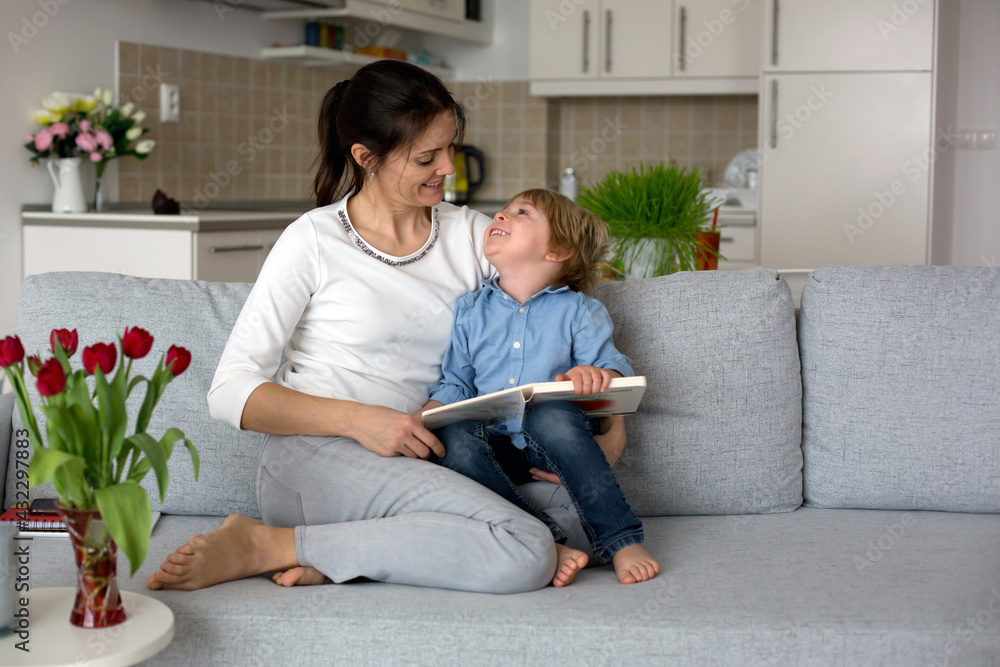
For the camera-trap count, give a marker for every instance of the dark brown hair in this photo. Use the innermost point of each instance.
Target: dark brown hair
(573, 228)
(385, 107)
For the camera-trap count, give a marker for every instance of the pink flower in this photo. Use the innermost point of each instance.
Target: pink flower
(85, 126)
(96, 157)
(60, 130)
(104, 139)
(29, 138)
(43, 140)
(86, 142)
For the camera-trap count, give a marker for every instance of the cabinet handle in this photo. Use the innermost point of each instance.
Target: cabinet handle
(234, 248)
(774, 34)
(774, 114)
(586, 41)
(726, 239)
(607, 43)
(682, 60)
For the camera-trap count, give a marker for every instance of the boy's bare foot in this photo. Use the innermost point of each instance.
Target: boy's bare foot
(569, 562)
(300, 576)
(240, 547)
(634, 564)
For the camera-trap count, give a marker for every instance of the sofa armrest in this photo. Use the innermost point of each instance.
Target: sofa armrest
(6, 430)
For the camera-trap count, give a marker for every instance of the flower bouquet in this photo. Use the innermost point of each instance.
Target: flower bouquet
(94, 468)
(75, 126)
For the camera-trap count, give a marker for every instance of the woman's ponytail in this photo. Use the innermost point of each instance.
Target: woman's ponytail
(332, 160)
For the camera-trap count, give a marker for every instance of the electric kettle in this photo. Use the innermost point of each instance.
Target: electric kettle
(458, 187)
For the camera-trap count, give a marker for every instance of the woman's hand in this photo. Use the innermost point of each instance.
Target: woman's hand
(389, 432)
(611, 440)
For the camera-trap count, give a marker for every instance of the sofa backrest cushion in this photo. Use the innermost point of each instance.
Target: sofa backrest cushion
(902, 388)
(196, 315)
(718, 431)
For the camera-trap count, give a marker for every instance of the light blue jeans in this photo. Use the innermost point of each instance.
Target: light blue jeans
(405, 521)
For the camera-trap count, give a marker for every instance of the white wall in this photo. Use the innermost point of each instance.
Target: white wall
(506, 59)
(74, 50)
(977, 173)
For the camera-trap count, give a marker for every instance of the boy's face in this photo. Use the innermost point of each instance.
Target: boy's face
(518, 236)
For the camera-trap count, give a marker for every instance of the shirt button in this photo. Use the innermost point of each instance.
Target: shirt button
(512, 381)
(506, 298)
(521, 309)
(517, 344)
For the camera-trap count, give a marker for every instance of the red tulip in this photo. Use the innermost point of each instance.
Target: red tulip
(68, 340)
(34, 363)
(99, 354)
(51, 379)
(136, 343)
(180, 358)
(11, 351)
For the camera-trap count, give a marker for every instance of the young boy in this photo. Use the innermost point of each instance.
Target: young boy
(535, 323)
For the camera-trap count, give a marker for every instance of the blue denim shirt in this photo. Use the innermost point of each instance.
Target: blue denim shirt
(498, 343)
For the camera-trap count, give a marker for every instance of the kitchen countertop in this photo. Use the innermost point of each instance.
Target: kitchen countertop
(206, 220)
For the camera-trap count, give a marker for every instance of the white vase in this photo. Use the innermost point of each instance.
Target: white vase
(66, 176)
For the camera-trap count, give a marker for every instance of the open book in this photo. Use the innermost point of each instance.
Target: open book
(621, 398)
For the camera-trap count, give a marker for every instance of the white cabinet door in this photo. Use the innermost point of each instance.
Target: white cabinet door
(149, 253)
(717, 37)
(232, 256)
(848, 35)
(846, 180)
(563, 39)
(635, 39)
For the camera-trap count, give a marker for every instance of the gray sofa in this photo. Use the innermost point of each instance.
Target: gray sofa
(821, 487)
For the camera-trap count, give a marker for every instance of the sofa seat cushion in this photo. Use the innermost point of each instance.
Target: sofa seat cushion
(719, 429)
(813, 586)
(900, 385)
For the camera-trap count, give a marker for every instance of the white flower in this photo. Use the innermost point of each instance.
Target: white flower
(139, 117)
(108, 97)
(126, 110)
(88, 103)
(58, 103)
(144, 147)
(43, 117)
(133, 133)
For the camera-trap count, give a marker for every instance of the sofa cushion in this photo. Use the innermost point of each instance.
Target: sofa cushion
(900, 380)
(719, 428)
(843, 587)
(195, 315)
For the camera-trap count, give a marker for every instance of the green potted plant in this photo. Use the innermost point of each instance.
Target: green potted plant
(655, 214)
(93, 466)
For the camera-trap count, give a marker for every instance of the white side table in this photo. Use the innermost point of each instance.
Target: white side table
(148, 628)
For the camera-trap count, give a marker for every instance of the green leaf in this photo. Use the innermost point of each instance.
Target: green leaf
(47, 461)
(141, 468)
(136, 380)
(171, 437)
(156, 455)
(126, 511)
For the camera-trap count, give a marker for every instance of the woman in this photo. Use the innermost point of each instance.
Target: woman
(359, 294)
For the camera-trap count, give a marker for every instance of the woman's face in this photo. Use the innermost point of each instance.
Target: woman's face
(415, 175)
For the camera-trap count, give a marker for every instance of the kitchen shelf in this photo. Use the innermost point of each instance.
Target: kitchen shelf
(467, 31)
(317, 56)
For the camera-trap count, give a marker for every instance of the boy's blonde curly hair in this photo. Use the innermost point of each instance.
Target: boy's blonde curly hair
(576, 229)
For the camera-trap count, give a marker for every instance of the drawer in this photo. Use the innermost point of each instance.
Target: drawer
(232, 256)
(739, 244)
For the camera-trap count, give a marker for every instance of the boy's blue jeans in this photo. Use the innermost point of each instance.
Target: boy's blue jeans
(559, 440)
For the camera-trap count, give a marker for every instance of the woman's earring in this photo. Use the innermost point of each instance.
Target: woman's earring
(371, 174)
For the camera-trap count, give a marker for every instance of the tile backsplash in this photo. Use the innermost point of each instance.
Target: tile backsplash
(248, 129)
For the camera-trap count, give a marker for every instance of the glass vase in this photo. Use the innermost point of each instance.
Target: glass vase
(98, 602)
(99, 203)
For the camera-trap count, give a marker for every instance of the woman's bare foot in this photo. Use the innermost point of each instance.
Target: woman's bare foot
(634, 564)
(241, 547)
(300, 576)
(569, 562)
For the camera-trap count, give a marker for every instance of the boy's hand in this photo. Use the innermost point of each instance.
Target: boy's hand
(588, 380)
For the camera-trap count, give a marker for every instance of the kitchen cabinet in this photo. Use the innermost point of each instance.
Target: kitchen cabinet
(848, 35)
(717, 38)
(226, 246)
(453, 10)
(856, 167)
(633, 47)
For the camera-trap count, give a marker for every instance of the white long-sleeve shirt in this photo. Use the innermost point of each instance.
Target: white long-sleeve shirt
(352, 326)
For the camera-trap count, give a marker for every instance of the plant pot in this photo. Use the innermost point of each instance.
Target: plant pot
(98, 602)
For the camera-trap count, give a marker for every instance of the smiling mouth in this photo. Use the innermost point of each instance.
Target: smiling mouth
(434, 185)
(498, 232)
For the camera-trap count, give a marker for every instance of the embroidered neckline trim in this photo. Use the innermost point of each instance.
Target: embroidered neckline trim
(368, 250)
